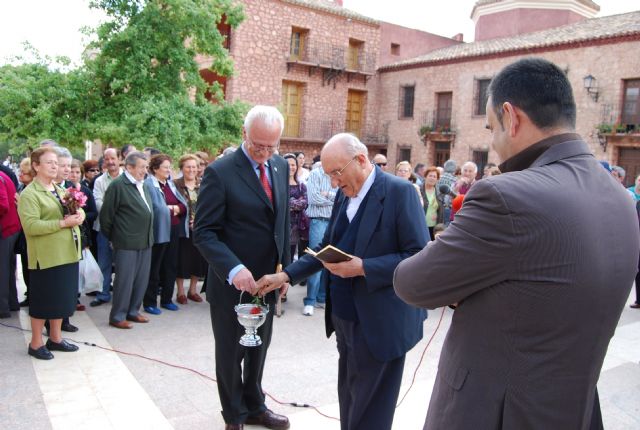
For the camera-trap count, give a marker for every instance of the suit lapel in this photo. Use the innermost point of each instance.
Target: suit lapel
(246, 173)
(276, 186)
(371, 213)
(342, 203)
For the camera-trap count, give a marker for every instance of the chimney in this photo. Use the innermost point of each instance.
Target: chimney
(338, 2)
(458, 37)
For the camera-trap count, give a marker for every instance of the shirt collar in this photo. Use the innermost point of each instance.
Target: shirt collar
(524, 159)
(251, 160)
(367, 185)
(132, 179)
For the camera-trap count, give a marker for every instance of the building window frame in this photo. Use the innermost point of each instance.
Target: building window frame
(395, 49)
(481, 158)
(406, 102)
(630, 112)
(480, 95)
(444, 110)
(298, 43)
(403, 154)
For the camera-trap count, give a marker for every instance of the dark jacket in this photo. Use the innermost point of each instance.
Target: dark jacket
(124, 218)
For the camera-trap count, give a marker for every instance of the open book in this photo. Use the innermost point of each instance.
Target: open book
(329, 254)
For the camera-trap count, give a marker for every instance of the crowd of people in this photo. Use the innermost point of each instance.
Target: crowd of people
(243, 223)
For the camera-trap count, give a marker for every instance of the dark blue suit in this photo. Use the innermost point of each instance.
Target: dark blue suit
(392, 227)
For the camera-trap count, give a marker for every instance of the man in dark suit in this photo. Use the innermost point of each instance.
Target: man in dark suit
(378, 219)
(242, 230)
(538, 295)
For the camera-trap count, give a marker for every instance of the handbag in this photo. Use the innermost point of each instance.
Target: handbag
(90, 278)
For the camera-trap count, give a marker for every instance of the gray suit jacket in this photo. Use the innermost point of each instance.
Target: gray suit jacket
(541, 267)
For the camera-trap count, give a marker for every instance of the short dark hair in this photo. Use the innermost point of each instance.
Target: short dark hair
(156, 161)
(539, 88)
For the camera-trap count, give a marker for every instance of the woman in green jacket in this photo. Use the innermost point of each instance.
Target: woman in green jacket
(53, 248)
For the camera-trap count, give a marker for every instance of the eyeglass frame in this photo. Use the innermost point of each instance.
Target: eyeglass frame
(338, 173)
(261, 148)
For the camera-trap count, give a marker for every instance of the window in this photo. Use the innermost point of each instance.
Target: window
(481, 94)
(442, 153)
(407, 96)
(480, 158)
(395, 49)
(353, 54)
(404, 153)
(298, 42)
(443, 111)
(631, 103)
(292, 108)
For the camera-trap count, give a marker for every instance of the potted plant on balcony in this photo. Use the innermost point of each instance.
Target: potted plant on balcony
(424, 130)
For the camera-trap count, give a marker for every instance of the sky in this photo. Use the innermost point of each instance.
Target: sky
(52, 26)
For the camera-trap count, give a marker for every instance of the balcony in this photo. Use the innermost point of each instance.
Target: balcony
(436, 129)
(314, 130)
(333, 62)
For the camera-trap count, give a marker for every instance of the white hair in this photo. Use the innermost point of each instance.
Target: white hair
(62, 152)
(472, 165)
(267, 115)
(352, 145)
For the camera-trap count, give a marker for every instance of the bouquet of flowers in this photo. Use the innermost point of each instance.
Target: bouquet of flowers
(73, 200)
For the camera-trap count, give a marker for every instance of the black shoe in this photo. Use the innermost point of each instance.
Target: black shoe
(97, 302)
(69, 328)
(25, 302)
(41, 353)
(63, 346)
(5, 314)
(92, 293)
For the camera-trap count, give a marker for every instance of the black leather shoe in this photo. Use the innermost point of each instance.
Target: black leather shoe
(233, 427)
(68, 327)
(269, 420)
(5, 314)
(41, 353)
(92, 293)
(97, 302)
(25, 302)
(63, 346)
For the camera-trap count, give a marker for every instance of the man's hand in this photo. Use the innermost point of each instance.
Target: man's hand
(243, 281)
(346, 269)
(271, 282)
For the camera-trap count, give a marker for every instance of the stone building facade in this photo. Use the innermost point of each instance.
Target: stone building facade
(420, 97)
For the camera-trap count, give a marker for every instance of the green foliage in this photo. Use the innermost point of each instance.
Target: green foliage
(140, 83)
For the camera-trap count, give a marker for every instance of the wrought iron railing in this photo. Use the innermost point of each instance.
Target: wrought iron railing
(335, 57)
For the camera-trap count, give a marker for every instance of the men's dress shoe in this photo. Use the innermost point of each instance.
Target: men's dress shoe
(195, 297)
(170, 306)
(152, 310)
(233, 426)
(41, 353)
(635, 306)
(97, 302)
(137, 318)
(121, 324)
(63, 346)
(182, 299)
(92, 293)
(5, 314)
(68, 327)
(25, 302)
(307, 311)
(269, 420)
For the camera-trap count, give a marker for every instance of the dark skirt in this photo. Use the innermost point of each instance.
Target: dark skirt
(190, 262)
(53, 292)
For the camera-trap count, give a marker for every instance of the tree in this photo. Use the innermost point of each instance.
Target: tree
(147, 78)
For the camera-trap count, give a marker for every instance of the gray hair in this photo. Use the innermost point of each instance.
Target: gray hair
(472, 164)
(450, 166)
(111, 149)
(619, 170)
(352, 145)
(229, 150)
(62, 152)
(267, 115)
(48, 142)
(133, 157)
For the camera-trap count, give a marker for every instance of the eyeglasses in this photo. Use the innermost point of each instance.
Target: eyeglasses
(381, 164)
(337, 173)
(93, 170)
(403, 171)
(264, 148)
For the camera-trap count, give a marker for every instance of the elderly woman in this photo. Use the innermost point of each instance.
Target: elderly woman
(191, 264)
(433, 199)
(170, 223)
(403, 170)
(54, 251)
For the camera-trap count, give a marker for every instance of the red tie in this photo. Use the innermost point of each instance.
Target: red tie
(265, 183)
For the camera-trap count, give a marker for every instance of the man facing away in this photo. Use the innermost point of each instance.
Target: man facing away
(538, 295)
(378, 219)
(242, 230)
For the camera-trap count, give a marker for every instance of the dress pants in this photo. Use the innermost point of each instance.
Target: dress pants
(239, 387)
(8, 290)
(164, 267)
(367, 388)
(130, 283)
